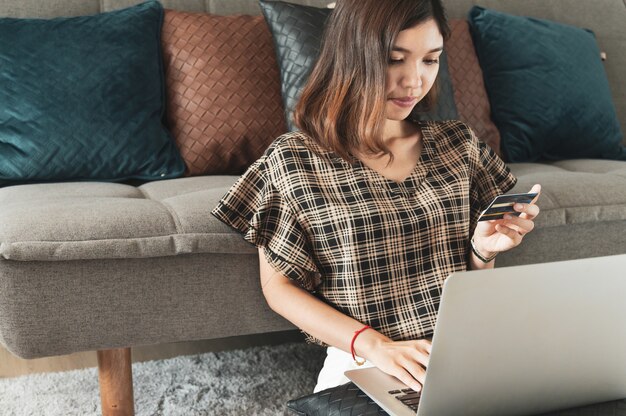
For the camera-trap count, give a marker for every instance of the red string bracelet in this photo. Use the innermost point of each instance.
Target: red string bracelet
(356, 334)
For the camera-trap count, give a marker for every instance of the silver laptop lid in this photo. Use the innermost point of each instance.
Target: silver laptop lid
(529, 339)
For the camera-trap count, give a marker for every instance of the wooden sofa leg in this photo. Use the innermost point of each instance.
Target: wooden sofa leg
(116, 382)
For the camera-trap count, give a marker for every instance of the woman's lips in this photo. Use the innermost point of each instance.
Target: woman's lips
(404, 102)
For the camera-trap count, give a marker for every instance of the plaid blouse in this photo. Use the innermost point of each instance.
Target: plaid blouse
(376, 250)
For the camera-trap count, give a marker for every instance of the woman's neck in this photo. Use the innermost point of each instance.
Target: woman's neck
(401, 136)
(405, 143)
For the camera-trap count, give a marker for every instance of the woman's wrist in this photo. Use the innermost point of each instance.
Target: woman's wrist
(367, 342)
(482, 254)
(354, 337)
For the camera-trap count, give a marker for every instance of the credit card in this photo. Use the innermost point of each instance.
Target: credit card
(503, 204)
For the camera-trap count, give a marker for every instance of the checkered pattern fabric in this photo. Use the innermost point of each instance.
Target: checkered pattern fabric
(375, 249)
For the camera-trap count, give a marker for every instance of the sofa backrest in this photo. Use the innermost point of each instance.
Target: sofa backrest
(605, 17)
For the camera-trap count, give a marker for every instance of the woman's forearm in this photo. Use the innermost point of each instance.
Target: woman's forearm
(312, 315)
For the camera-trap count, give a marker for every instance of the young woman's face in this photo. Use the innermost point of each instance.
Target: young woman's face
(413, 67)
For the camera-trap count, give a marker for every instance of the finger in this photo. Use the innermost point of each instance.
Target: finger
(529, 211)
(422, 358)
(419, 355)
(512, 234)
(514, 228)
(428, 345)
(416, 369)
(521, 225)
(423, 346)
(404, 376)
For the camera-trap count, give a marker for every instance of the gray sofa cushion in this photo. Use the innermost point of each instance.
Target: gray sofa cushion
(575, 191)
(101, 304)
(89, 220)
(55, 222)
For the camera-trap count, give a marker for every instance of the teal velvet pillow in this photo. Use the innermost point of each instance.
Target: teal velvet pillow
(82, 98)
(547, 87)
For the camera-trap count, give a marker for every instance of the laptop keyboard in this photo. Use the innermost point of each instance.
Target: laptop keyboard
(409, 397)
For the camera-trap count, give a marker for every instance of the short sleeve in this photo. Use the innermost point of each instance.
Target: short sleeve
(490, 178)
(255, 208)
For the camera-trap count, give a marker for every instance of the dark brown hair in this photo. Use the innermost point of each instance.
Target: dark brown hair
(343, 102)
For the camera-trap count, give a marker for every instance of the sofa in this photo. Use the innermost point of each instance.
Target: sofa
(106, 266)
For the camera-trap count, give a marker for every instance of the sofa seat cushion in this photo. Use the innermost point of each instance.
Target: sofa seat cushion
(93, 220)
(575, 191)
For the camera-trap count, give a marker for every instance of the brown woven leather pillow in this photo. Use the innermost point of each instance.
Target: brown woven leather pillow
(223, 90)
(470, 95)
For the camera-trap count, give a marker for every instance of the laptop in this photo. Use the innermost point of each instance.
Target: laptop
(520, 340)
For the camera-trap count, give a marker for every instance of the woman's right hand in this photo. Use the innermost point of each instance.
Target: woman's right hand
(405, 360)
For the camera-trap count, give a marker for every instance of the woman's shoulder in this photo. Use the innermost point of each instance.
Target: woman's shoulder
(295, 148)
(453, 136)
(452, 132)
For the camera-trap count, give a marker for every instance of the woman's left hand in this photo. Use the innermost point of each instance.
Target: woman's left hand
(496, 236)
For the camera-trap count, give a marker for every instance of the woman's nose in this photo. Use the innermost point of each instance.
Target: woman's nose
(411, 77)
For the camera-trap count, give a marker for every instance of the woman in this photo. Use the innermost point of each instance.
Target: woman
(361, 215)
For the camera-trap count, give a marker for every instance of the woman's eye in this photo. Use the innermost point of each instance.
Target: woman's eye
(431, 61)
(395, 60)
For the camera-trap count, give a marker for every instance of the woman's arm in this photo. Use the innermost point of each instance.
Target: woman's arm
(406, 359)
